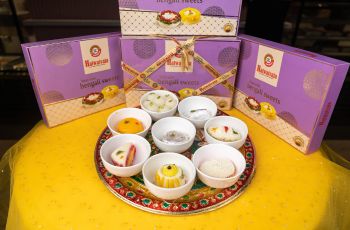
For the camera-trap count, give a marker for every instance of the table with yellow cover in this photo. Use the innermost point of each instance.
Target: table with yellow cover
(55, 186)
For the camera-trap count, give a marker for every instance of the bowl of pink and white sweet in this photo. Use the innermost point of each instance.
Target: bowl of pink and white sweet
(226, 130)
(125, 154)
(218, 165)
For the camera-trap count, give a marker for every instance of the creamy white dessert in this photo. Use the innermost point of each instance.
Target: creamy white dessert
(175, 137)
(159, 103)
(199, 114)
(219, 168)
(224, 133)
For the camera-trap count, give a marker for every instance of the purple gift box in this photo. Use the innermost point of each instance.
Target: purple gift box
(211, 59)
(289, 91)
(180, 17)
(75, 77)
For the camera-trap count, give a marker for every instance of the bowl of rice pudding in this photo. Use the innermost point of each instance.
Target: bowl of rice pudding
(159, 104)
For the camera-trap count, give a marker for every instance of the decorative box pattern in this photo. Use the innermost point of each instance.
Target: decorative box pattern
(180, 17)
(75, 77)
(184, 65)
(289, 91)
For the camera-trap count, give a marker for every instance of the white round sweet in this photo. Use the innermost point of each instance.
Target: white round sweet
(219, 168)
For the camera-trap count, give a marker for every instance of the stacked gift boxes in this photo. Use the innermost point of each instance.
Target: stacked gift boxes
(161, 58)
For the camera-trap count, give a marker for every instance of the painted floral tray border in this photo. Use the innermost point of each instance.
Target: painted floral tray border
(199, 200)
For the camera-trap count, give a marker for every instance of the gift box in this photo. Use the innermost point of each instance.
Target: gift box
(289, 91)
(184, 65)
(75, 77)
(180, 17)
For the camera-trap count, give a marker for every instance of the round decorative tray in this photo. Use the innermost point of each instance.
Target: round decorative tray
(201, 198)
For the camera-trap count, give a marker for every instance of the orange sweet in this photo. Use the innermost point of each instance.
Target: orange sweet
(129, 125)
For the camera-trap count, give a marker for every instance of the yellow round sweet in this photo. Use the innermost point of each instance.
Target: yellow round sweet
(190, 16)
(170, 176)
(268, 110)
(186, 92)
(130, 126)
(169, 170)
(110, 91)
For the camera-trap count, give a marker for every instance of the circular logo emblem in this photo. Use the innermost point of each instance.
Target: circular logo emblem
(268, 60)
(178, 52)
(95, 51)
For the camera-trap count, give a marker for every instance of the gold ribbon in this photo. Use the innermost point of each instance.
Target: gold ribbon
(185, 51)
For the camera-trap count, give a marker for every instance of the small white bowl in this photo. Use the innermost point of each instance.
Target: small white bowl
(159, 115)
(120, 114)
(143, 151)
(194, 103)
(219, 151)
(229, 121)
(161, 127)
(155, 162)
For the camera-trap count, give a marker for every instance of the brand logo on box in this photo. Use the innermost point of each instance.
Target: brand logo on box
(268, 60)
(95, 51)
(268, 65)
(174, 64)
(95, 54)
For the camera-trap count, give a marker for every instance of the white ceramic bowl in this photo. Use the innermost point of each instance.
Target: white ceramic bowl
(120, 114)
(159, 115)
(229, 121)
(163, 126)
(194, 103)
(219, 151)
(155, 162)
(143, 151)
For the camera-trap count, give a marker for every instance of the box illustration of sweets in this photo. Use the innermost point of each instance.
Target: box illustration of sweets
(75, 77)
(289, 91)
(180, 17)
(185, 65)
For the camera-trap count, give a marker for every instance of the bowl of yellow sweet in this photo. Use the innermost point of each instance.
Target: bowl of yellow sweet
(169, 175)
(129, 121)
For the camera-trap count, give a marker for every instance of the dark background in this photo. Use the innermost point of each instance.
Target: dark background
(319, 26)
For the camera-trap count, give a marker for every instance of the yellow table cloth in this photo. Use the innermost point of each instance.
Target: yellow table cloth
(55, 186)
